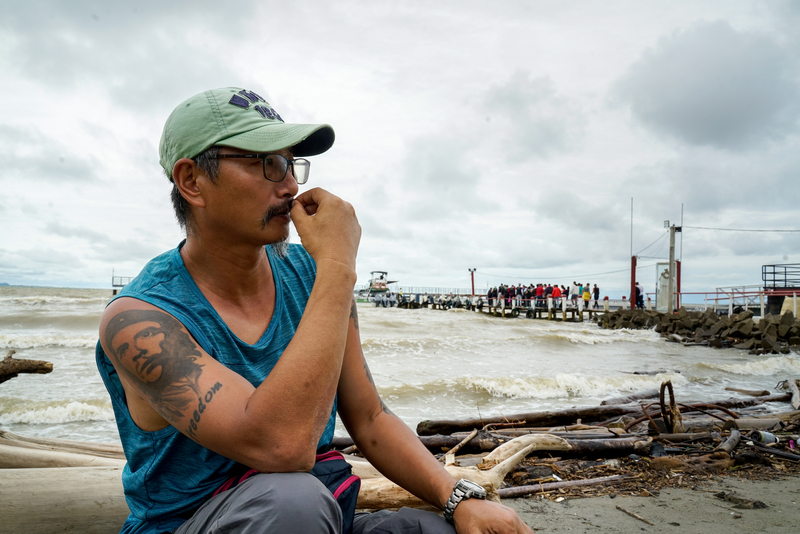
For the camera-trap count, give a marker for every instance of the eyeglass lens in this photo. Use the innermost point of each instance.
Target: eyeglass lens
(276, 167)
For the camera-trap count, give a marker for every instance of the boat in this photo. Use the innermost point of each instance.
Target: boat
(378, 285)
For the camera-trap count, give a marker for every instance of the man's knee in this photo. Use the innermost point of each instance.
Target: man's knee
(300, 494)
(284, 502)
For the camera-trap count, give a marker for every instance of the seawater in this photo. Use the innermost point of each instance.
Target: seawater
(427, 364)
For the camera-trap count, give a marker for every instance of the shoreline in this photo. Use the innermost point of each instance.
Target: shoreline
(671, 510)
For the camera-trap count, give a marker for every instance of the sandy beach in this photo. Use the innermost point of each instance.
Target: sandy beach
(673, 510)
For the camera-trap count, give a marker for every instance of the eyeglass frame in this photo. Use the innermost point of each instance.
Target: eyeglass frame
(263, 157)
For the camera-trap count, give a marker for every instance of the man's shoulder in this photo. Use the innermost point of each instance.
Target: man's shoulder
(156, 271)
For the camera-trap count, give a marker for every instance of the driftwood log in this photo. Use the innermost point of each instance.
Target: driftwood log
(729, 444)
(794, 387)
(11, 367)
(23, 451)
(80, 500)
(751, 392)
(377, 493)
(566, 417)
(642, 395)
(87, 496)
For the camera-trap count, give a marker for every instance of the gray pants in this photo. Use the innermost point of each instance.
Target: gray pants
(298, 503)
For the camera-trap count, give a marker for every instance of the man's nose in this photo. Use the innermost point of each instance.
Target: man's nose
(288, 186)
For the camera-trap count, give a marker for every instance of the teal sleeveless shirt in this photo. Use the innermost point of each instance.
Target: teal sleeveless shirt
(167, 475)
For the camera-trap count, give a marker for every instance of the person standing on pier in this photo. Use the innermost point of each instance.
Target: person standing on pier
(228, 358)
(556, 296)
(596, 295)
(639, 296)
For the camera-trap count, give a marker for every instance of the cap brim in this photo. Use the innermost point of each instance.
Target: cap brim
(303, 139)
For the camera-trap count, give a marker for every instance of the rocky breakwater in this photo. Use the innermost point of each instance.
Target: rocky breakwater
(769, 335)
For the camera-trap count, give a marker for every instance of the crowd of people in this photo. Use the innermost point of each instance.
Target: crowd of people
(503, 295)
(535, 296)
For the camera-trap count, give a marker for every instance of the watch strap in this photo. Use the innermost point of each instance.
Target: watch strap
(461, 491)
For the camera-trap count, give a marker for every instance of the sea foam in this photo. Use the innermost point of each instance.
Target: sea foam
(60, 413)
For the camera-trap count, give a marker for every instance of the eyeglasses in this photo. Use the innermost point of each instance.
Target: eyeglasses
(276, 166)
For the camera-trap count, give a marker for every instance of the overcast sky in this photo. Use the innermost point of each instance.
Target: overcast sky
(505, 136)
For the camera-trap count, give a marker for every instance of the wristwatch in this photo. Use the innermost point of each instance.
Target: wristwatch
(464, 489)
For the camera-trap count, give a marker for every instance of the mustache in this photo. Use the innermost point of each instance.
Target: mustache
(279, 209)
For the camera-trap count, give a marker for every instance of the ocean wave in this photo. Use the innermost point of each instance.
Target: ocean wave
(56, 414)
(35, 341)
(569, 385)
(42, 300)
(787, 364)
(32, 320)
(560, 386)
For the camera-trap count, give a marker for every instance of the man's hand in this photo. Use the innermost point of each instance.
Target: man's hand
(327, 226)
(476, 516)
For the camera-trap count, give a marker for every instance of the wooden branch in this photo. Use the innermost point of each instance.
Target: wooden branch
(450, 457)
(672, 417)
(777, 452)
(11, 367)
(729, 444)
(635, 516)
(521, 491)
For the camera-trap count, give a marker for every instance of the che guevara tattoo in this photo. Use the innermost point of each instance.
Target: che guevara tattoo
(162, 361)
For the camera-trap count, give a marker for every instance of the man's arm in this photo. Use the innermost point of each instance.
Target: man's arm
(395, 450)
(169, 379)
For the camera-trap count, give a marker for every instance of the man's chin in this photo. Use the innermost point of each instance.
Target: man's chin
(280, 248)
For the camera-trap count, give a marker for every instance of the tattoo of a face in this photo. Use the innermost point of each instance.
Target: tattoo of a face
(354, 314)
(161, 360)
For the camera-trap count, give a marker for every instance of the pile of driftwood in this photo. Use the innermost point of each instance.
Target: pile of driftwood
(640, 443)
(772, 334)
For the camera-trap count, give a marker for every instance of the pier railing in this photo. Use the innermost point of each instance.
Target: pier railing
(728, 300)
(781, 276)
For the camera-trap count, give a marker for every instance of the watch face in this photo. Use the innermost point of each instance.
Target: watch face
(475, 489)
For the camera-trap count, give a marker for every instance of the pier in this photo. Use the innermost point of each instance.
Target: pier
(546, 310)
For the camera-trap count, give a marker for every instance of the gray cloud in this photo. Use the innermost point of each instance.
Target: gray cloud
(107, 248)
(532, 118)
(713, 85)
(32, 156)
(137, 50)
(440, 179)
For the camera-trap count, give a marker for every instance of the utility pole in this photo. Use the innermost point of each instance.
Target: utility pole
(671, 286)
(472, 277)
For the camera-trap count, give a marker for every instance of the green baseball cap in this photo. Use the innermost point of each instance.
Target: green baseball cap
(236, 118)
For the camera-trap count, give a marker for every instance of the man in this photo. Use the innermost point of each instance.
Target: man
(228, 357)
(639, 296)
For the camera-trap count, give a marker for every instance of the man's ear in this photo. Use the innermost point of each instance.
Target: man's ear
(185, 175)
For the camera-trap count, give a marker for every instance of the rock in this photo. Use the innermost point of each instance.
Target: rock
(783, 330)
(742, 329)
